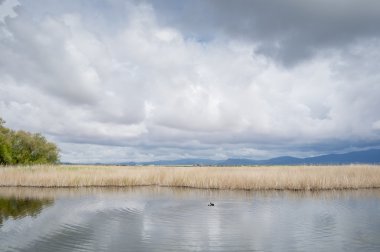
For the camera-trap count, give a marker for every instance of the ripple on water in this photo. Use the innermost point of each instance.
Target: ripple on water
(164, 221)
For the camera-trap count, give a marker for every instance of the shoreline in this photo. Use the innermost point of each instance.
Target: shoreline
(295, 178)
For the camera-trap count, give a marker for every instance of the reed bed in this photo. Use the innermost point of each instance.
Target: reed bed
(247, 178)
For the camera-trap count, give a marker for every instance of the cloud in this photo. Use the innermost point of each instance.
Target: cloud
(130, 81)
(7, 9)
(288, 31)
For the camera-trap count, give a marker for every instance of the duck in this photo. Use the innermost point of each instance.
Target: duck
(211, 204)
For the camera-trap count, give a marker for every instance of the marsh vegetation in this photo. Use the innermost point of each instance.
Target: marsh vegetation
(247, 178)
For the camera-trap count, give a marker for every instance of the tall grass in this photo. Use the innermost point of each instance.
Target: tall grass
(268, 177)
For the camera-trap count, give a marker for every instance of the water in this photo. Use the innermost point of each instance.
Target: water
(167, 219)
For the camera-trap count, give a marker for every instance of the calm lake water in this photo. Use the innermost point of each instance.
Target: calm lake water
(167, 219)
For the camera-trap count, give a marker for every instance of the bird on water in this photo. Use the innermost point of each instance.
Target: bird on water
(211, 204)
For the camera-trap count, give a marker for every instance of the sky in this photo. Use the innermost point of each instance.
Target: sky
(116, 80)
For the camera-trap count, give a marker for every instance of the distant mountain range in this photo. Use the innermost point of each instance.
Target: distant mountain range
(358, 157)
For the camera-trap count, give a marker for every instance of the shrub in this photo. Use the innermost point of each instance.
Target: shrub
(21, 147)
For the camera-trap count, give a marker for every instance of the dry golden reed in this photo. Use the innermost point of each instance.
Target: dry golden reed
(257, 177)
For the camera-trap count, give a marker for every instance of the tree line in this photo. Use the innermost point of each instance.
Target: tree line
(21, 147)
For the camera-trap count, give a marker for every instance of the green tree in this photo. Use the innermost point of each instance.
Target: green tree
(5, 144)
(21, 147)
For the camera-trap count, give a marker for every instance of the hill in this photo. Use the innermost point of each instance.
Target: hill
(371, 156)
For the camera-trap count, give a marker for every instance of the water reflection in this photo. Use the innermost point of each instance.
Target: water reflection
(19, 208)
(167, 219)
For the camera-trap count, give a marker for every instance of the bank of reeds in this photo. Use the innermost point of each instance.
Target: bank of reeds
(257, 178)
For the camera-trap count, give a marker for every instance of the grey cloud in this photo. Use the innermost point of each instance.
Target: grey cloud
(288, 31)
(7, 9)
